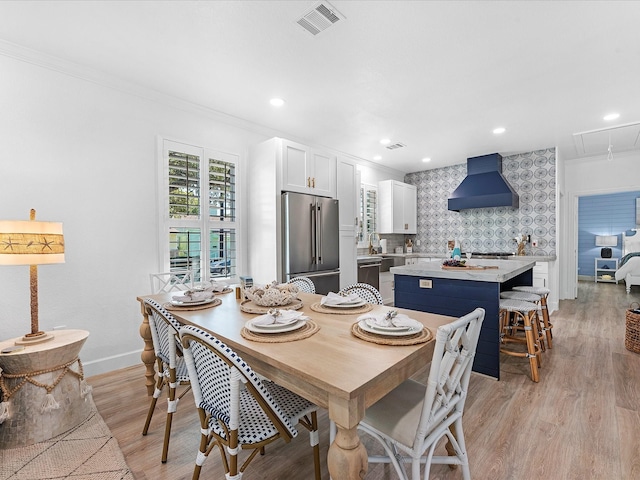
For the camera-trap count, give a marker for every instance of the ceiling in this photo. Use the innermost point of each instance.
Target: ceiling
(437, 77)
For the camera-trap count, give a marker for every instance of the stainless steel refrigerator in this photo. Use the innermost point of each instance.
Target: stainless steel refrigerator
(310, 240)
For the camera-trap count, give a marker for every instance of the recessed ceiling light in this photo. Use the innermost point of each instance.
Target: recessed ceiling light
(499, 130)
(385, 141)
(426, 159)
(377, 157)
(611, 116)
(276, 102)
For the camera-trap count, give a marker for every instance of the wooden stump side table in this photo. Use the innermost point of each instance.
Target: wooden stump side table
(44, 374)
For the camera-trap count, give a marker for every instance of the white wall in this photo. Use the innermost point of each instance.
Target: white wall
(589, 176)
(84, 153)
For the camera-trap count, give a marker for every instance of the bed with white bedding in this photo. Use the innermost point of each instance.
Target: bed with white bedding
(629, 268)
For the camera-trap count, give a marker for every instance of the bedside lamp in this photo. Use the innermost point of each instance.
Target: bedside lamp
(606, 241)
(31, 243)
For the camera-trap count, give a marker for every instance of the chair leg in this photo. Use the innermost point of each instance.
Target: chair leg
(531, 348)
(171, 407)
(157, 392)
(548, 327)
(315, 443)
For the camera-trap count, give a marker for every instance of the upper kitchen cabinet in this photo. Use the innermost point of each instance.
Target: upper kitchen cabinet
(397, 207)
(307, 170)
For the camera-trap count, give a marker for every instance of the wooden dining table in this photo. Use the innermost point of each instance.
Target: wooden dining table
(332, 368)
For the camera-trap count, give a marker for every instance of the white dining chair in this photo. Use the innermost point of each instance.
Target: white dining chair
(165, 282)
(237, 410)
(368, 293)
(410, 420)
(171, 368)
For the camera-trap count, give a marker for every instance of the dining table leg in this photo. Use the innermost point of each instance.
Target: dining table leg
(347, 459)
(148, 355)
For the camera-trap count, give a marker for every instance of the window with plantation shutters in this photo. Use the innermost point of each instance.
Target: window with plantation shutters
(198, 211)
(368, 213)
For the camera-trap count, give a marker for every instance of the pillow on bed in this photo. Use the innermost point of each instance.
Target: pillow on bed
(627, 257)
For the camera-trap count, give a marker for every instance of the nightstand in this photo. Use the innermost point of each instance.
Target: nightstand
(605, 269)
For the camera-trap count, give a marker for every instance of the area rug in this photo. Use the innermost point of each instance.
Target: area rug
(86, 452)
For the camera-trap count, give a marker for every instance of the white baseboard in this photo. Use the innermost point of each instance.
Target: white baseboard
(108, 364)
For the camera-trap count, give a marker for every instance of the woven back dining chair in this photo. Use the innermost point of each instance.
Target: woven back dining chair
(366, 292)
(410, 420)
(238, 411)
(171, 368)
(304, 284)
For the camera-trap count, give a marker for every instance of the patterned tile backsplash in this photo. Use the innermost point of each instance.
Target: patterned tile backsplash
(532, 175)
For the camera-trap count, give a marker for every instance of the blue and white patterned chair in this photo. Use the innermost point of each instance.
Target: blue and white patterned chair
(368, 293)
(410, 420)
(304, 284)
(237, 410)
(171, 368)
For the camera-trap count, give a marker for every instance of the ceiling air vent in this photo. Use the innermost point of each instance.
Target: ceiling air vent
(395, 145)
(319, 18)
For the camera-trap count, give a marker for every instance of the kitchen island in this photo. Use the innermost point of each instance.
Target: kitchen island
(430, 288)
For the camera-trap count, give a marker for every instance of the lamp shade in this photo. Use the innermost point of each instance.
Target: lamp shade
(606, 240)
(31, 243)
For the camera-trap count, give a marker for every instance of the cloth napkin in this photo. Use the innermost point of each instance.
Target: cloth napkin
(386, 320)
(336, 299)
(191, 296)
(284, 317)
(216, 287)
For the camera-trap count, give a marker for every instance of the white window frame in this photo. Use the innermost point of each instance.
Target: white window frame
(363, 233)
(204, 223)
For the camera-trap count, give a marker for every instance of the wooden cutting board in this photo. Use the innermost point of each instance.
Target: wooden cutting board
(471, 267)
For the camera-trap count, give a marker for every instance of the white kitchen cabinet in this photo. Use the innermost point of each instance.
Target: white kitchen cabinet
(386, 288)
(397, 207)
(541, 274)
(306, 170)
(348, 189)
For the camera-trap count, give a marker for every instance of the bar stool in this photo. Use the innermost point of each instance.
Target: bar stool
(543, 292)
(533, 298)
(513, 312)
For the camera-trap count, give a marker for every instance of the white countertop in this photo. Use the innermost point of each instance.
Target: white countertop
(507, 269)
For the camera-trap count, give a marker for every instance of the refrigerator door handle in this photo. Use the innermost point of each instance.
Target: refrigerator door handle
(314, 235)
(319, 232)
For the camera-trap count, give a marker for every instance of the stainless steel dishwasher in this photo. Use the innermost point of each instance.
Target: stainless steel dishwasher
(369, 271)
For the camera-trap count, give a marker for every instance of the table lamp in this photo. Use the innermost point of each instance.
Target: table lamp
(606, 241)
(31, 243)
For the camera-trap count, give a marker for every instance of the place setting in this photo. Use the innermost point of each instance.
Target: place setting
(195, 299)
(277, 326)
(390, 328)
(341, 304)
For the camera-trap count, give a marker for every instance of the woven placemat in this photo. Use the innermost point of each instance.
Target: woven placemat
(226, 290)
(423, 336)
(310, 327)
(249, 307)
(318, 307)
(183, 308)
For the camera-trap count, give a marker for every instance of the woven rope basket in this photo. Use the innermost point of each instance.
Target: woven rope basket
(632, 334)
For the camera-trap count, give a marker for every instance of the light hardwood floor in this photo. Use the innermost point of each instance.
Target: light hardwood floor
(582, 421)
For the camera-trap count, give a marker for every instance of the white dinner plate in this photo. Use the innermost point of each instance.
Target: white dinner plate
(273, 328)
(395, 333)
(189, 304)
(347, 305)
(389, 328)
